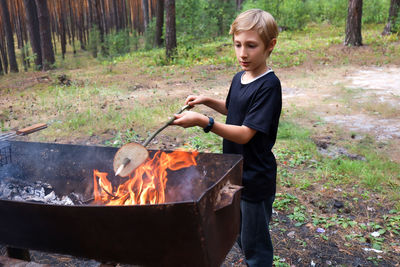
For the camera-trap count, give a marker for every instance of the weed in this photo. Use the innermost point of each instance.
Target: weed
(279, 262)
(120, 139)
(282, 201)
(203, 143)
(375, 260)
(298, 215)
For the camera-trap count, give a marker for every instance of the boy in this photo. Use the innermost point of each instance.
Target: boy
(253, 107)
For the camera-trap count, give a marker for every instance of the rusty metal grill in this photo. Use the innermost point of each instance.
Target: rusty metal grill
(195, 231)
(5, 153)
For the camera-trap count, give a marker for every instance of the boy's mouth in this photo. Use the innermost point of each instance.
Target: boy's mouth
(244, 64)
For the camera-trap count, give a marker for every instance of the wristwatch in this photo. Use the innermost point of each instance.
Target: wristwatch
(209, 126)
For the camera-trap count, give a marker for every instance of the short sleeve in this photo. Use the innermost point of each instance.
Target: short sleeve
(265, 108)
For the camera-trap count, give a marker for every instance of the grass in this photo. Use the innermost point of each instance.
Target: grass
(297, 154)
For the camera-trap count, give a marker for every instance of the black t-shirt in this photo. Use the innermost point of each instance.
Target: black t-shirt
(256, 105)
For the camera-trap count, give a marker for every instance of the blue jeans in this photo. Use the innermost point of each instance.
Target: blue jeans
(254, 238)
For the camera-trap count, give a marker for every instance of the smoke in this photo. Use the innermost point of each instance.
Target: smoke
(185, 185)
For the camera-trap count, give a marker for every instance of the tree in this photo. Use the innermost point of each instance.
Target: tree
(353, 24)
(1, 65)
(159, 22)
(170, 29)
(3, 52)
(62, 28)
(145, 10)
(393, 14)
(32, 23)
(9, 36)
(239, 4)
(45, 34)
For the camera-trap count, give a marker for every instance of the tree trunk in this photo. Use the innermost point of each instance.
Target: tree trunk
(239, 4)
(159, 22)
(73, 20)
(62, 21)
(145, 10)
(1, 64)
(123, 16)
(9, 36)
(32, 23)
(393, 13)
(170, 29)
(115, 16)
(45, 34)
(103, 27)
(3, 52)
(103, 18)
(353, 25)
(19, 30)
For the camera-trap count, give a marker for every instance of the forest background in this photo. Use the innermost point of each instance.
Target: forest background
(111, 81)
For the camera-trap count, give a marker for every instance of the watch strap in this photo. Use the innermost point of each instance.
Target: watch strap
(209, 125)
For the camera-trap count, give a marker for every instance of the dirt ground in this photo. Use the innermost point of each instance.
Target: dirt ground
(359, 101)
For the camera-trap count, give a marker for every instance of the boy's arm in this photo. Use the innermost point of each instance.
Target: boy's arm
(217, 105)
(238, 134)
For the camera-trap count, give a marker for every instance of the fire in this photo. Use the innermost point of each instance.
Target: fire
(146, 185)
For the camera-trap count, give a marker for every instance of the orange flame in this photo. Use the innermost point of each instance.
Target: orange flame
(146, 185)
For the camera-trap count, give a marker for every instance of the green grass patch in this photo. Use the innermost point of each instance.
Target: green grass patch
(201, 142)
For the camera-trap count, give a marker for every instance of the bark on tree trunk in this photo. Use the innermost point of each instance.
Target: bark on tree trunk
(123, 18)
(353, 25)
(145, 10)
(104, 24)
(45, 34)
(3, 52)
(159, 22)
(9, 36)
(239, 4)
(62, 29)
(103, 27)
(170, 29)
(1, 68)
(115, 16)
(73, 21)
(1, 64)
(393, 13)
(32, 23)
(21, 37)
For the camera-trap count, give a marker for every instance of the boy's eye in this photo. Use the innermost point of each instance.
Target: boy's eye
(252, 45)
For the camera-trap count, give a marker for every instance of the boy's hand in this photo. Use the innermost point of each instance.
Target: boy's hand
(190, 119)
(193, 100)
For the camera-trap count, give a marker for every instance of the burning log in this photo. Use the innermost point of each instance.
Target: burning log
(146, 185)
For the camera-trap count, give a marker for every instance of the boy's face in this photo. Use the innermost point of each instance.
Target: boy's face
(251, 52)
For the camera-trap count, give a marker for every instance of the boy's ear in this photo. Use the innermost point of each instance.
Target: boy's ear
(272, 45)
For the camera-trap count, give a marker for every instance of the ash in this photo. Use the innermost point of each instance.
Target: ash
(20, 190)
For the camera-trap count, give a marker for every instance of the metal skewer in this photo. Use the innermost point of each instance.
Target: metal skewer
(122, 166)
(126, 161)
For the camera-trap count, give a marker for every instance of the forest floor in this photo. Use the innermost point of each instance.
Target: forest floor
(339, 104)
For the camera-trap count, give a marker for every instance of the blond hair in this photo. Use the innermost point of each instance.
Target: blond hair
(258, 20)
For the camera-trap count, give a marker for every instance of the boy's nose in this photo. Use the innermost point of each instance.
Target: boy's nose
(243, 53)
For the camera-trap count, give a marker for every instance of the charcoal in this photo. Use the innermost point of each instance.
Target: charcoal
(20, 190)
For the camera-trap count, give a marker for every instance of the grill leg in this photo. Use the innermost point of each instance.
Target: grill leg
(18, 253)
